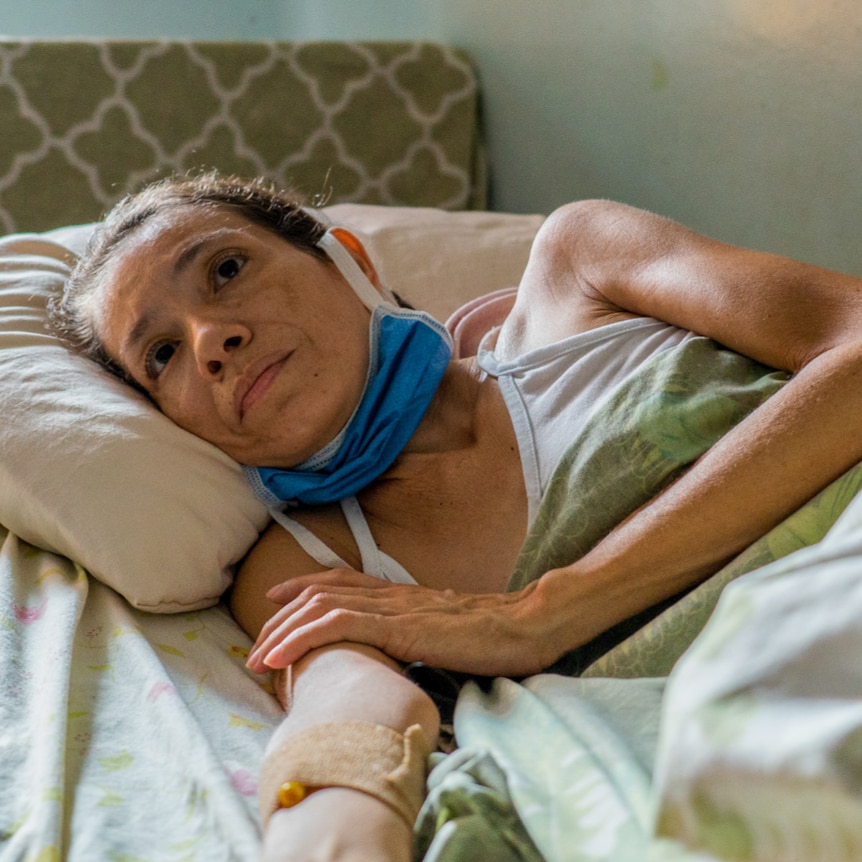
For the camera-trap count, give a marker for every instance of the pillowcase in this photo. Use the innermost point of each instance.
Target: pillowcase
(91, 470)
(438, 260)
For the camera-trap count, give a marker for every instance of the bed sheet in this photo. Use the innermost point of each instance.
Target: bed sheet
(576, 758)
(124, 736)
(761, 741)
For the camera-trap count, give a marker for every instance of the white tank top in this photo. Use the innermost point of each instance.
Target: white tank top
(550, 393)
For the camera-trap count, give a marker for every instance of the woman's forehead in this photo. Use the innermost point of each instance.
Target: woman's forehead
(172, 229)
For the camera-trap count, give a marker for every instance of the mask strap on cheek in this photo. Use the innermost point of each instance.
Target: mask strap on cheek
(370, 297)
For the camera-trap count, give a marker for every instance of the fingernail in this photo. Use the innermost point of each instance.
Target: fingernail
(270, 657)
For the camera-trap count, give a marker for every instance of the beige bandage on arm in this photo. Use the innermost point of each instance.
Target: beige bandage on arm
(361, 755)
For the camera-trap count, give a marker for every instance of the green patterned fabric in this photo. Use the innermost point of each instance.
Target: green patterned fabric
(369, 122)
(469, 813)
(655, 648)
(642, 438)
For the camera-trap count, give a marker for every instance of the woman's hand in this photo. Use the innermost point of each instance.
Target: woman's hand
(489, 634)
(337, 824)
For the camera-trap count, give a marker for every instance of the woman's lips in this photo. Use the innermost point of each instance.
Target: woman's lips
(256, 382)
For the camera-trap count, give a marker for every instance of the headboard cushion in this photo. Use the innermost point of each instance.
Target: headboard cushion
(368, 122)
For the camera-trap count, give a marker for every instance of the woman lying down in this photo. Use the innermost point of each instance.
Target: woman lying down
(411, 478)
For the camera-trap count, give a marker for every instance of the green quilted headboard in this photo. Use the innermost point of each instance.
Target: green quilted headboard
(368, 122)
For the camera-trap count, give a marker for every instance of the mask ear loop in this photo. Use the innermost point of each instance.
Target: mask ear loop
(370, 297)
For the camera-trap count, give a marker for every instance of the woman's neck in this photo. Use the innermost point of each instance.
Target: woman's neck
(451, 420)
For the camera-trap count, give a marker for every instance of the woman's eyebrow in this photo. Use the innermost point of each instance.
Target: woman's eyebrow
(136, 334)
(186, 258)
(193, 250)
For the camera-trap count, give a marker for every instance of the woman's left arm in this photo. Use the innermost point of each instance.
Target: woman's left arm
(781, 312)
(596, 258)
(616, 260)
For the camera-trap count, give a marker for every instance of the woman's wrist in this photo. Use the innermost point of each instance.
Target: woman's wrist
(569, 607)
(544, 626)
(338, 823)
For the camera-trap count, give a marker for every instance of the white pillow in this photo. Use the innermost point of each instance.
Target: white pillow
(91, 470)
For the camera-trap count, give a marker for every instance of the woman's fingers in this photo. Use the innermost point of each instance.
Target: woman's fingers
(299, 638)
(308, 593)
(327, 613)
(305, 599)
(486, 633)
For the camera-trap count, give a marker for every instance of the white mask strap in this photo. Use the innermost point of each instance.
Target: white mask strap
(369, 295)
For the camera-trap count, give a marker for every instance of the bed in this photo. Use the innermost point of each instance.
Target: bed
(725, 727)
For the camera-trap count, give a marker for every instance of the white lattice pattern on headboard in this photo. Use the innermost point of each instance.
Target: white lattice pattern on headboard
(390, 123)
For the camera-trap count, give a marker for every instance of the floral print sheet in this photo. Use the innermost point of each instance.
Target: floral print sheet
(124, 736)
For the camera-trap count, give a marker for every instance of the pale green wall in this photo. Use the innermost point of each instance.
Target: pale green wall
(739, 117)
(143, 19)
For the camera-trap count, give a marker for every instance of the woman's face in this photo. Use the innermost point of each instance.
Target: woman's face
(237, 335)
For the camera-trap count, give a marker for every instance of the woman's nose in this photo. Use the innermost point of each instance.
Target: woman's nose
(214, 343)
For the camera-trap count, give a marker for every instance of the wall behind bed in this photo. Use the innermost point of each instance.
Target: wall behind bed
(743, 119)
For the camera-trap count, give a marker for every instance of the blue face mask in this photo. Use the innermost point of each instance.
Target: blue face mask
(409, 353)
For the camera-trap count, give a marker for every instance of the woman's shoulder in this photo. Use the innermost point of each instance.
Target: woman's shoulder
(560, 292)
(278, 555)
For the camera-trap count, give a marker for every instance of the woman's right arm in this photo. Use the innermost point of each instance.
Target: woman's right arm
(339, 683)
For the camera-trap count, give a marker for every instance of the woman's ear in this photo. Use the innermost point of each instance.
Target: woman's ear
(357, 251)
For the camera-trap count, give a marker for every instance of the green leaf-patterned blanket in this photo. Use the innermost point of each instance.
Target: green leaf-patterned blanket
(640, 439)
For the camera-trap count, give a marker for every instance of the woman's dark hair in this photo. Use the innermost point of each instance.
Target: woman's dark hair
(71, 314)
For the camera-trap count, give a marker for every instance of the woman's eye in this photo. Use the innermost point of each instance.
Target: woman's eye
(227, 269)
(158, 356)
